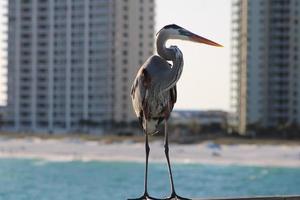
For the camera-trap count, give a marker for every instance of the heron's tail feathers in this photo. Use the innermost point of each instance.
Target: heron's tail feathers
(150, 126)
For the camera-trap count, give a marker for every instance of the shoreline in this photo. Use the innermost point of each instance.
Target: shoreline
(72, 149)
(52, 158)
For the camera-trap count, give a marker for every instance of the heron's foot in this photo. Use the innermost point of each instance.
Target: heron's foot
(145, 196)
(174, 196)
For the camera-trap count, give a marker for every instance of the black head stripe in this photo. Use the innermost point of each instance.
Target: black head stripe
(173, 26)
(170, 26)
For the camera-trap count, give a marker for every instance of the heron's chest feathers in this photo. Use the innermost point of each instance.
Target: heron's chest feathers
(157, 103)
(149, 93)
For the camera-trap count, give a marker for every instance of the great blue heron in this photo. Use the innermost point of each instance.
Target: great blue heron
(154, 89)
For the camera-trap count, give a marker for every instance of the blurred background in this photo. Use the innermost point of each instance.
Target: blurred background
(64, 79)
(67, 67)
(75, 76)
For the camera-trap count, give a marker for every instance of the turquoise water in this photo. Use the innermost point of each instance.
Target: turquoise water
(42, 180)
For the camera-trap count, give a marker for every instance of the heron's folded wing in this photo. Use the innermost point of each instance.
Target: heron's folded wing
(159, 73)
(138, 94)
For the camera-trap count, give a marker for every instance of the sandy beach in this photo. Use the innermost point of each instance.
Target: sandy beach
(69, 149)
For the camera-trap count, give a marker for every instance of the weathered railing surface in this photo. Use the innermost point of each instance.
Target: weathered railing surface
(257, 198)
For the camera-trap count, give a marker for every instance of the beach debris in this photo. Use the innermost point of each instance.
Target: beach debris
(212, 145)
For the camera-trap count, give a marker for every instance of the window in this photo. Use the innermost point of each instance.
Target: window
(26, 1)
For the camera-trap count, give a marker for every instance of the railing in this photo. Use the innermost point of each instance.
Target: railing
(257, 198)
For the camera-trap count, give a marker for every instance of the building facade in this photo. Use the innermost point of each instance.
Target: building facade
(265, 67)
(71, 63)
(133, 44)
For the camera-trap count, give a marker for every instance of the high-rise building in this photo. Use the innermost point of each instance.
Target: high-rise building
(265, 73)
(133, 44)
(71, 62)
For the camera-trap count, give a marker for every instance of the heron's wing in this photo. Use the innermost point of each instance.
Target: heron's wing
(159, 70)
(140, 93)
(173, 95)
(137, 95)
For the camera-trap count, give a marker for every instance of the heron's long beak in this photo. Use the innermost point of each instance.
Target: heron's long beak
(196, 38)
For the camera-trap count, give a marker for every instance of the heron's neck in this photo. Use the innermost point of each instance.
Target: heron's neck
(162, 50)
(172, 54)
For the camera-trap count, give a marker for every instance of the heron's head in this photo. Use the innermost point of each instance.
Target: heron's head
(174, 31)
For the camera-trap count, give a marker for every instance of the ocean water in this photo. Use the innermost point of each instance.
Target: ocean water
(43, 180)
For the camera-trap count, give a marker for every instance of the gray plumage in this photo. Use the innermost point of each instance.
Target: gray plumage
(154, 89)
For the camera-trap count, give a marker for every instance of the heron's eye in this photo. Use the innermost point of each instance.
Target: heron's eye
(184, 32)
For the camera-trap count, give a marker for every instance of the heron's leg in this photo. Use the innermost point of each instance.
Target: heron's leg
(145, 195)
(147, 150)
(173, 194)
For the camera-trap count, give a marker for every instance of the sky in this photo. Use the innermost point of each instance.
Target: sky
(204, 83)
